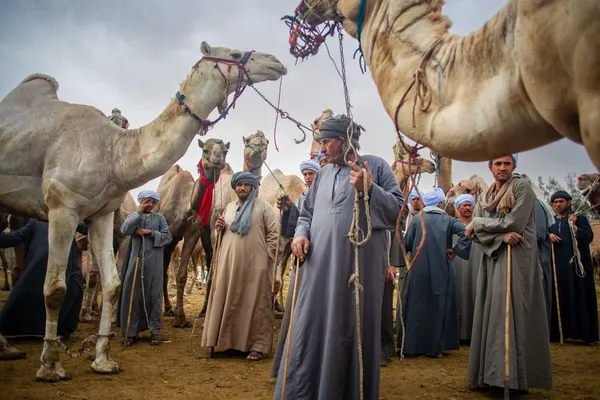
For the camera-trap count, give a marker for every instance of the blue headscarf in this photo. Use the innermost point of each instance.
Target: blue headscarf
(412, 195)
(145, 194)
(433, 198)
(242, 222)
(464, 197)
(311, 165)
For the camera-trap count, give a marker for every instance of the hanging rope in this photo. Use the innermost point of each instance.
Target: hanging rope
(576, 259)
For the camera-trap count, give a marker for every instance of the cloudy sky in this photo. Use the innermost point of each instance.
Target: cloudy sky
(133, 55)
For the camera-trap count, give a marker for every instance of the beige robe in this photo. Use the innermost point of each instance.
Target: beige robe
(239, 314)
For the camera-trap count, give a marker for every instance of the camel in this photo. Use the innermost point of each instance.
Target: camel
(197, 258)
(79, 166)
(180, 197)
(474, 186)
(527, 78)
(589, 185)
(315, 147)
(402, 169)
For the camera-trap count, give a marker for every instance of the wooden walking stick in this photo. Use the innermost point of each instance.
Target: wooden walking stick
(137, 261)
(289, 334)
(506, 325)
(560, 331)
(275, 263)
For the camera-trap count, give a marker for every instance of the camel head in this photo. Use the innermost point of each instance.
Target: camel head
(214, 153)
(223, 71)
(315, 147)
(401, 166)
(255, 150)
(474, 186)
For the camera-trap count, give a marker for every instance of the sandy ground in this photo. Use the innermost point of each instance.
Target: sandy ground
(177, 370)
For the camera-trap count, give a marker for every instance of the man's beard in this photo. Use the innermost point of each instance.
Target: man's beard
(242, 196)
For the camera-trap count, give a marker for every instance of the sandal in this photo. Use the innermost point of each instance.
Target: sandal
(254, 356)
(155, 340)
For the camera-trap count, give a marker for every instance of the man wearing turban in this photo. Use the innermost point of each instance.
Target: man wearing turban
(143, 270)
(574, 274)
(465, 270)
(504, 216)
(430, 305)
(238, 314)
(289, 218)
(323, 362)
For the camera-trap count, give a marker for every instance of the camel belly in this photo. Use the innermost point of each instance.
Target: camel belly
(22, 195)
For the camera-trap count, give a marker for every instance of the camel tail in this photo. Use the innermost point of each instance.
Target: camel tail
(45, 77)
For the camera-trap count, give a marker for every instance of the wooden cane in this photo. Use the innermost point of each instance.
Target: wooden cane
(506, 326)
(289, 334)
(275, 263)
(137, 261)
(560, 331)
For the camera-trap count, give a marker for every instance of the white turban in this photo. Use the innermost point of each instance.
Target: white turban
(312, 165)
(145, 194)
(433, 198)
(464, 197)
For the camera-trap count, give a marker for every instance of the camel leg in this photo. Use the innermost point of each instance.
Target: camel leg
(189, 242)
(101, 235)
(194, 276)
(6, 286)
(7, 352)
(167, 253)
(89, 296)
(61, 230)
(208, 251)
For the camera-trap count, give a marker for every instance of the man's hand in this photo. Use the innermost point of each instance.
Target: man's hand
(220, 223)
(573, 218)
(469, 231)
(300, 246)
(450, 253)
(286, 205)
(390, 273)
(356, 178)
(512, 238)
(555, 238)
(143, 232)
(145, 203)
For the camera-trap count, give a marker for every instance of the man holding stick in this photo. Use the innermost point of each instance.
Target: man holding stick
(505, 217)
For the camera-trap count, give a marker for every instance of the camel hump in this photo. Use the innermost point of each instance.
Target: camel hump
(44, 77)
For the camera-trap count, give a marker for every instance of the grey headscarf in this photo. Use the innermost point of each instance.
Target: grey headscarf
(242, 222)
(337, 126)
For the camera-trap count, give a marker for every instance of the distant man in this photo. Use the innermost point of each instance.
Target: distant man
(323, 362)
(415, 205)
(505, 215)
(238, 316)
(466, 270)
(576, 289)
(142, 271)
(430, 306)
(289, 219)
(116, 117)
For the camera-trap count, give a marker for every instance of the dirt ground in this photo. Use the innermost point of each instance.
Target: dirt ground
(176, 370)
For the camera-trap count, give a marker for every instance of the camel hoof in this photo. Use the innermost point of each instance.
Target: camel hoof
(181, 323)
(52, 373)
(85, 316)
(106, 366)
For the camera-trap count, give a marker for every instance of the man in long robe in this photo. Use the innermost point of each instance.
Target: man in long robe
(430, 305)
(24, 312)
(238, 315)
(323, 362)
(465, 270)
(505, 215)
(576, 289)
(542, 233)
(142, 271)
(289, 219)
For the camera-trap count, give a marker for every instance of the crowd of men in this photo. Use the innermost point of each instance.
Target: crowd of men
(451, 286)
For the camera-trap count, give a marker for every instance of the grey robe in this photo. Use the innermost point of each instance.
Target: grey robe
(323, 363)
(430, 305)
(542, 233)
(152, 267)
(530, 365)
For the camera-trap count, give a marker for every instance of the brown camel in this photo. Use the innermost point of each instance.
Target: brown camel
(180, 197)
(66, 162)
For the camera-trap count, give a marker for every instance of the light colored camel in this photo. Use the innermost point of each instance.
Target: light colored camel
(402, 169)
(91, 275)
(79, 166)
(475, 186)
(589, 185)
(180, 197)
(197, 259)
(528, 77)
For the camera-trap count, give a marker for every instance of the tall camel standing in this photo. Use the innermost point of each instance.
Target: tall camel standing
(180, 197)
(79, 166)
(527, 78)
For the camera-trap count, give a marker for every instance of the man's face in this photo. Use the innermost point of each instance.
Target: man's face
(561, 205)
(332, 147)
(151, 203)
(465, 209)
(324, 161)
(243, 190)
(416, 204)
(309, 176)
(502, 168)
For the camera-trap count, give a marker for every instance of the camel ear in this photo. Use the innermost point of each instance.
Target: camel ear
(459, 184)
(205, 48)
(200, 143)
(267, 141)
(244, 139)
(227, 145)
